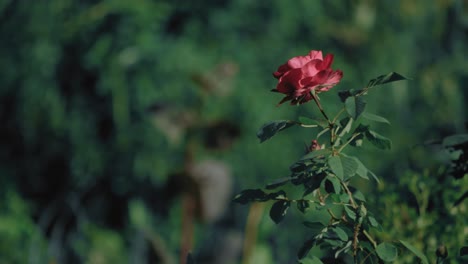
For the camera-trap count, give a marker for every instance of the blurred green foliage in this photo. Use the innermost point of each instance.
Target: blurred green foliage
(86, 153)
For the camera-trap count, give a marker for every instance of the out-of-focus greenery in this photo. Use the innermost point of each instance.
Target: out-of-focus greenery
(99, 101)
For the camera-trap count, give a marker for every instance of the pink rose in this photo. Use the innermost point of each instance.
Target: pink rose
(303, 74)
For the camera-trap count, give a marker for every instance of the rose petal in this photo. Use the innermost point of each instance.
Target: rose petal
(310, 69)
(289, 81)
(315, 55)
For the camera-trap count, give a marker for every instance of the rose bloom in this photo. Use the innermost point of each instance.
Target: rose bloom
(301, 75)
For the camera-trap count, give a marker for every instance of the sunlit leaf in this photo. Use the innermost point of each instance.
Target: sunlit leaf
(270, 129)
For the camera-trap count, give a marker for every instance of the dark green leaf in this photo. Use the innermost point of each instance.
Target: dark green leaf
(278, 210)
(464, 251)
(375, 118)
(277, 183)
(378, 140)
(302, 205)
(305, 248)
(355, 106)
(313, 183)
(251, 195)
(277, 195)
(387, 251)
(383, 79)
(415, 251)
(270, 129)
(190, 259)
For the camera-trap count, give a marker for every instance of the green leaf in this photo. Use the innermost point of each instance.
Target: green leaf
(363, 172)
(372, 221)
(359, 196)
(341, 233)
(270, 129)
(251, 195)
(378, 140)
(345, 249)
(311, 260)
(383, 79)
(415, 251)
(355, 106)
(305, 248)
(375, 118)
(278, 210)
(350, 212)
(342, 166)
(454, 140)
(316, 153)
(387, 252)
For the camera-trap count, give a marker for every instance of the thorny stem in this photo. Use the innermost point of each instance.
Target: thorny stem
(350, 194)
(317, 102)
(357, 228)
(338, 115)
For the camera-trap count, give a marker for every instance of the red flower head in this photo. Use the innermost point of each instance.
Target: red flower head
(314, 145)
(301, 75)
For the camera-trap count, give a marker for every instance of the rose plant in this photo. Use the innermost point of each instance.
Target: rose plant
(324, 173)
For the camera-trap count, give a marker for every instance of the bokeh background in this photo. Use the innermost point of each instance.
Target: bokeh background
(122, 122)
